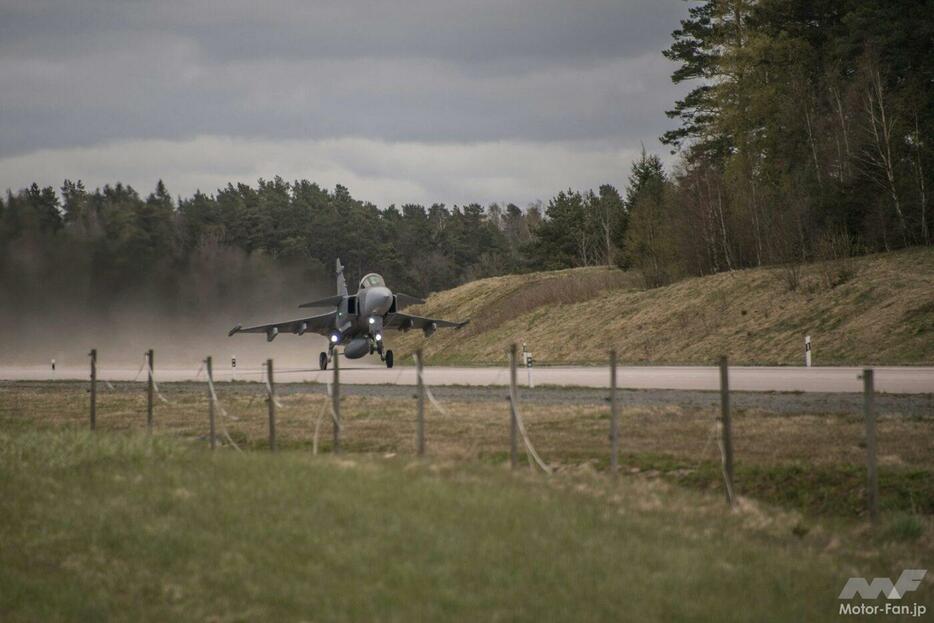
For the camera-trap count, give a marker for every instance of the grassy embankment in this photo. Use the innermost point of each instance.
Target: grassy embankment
(121, 526)
(881, 313)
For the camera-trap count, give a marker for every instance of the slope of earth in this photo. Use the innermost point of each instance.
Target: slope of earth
(877, 309)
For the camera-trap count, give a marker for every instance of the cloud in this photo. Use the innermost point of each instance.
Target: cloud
(469, 31)
(379, 171)
(178, 93)
(570, 82)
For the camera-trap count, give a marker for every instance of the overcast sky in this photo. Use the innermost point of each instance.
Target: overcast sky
(428, 101)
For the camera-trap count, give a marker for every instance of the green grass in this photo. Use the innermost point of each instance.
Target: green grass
(903, 527)
(814, 490)
(818, 490)
(127, 527)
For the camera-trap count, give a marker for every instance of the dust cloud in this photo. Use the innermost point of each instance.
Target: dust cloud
(57, 311)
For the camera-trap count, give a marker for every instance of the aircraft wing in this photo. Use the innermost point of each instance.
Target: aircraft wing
(322, 323)
(407, 321)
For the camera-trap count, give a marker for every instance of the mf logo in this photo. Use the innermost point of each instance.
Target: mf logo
(907, 581)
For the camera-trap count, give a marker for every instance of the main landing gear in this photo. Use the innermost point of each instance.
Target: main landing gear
(324, 358)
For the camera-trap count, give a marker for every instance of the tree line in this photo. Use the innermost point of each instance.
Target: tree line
(113, 241)
(805, 135)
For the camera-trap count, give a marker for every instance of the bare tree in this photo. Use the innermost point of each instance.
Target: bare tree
(880, 155)
(719, 209)
(917, 143)
(844, 155)
(812, 140)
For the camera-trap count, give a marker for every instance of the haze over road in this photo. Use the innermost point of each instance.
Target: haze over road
(894, 380)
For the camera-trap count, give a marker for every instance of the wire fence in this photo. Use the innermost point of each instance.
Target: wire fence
(231, 416)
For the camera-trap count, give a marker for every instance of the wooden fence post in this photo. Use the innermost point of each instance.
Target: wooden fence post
(727, 439)
(869, 412)
(149, 390)
(207, 365)
(614, 418)
(272, 405)
(336, 403)
(513, 396)
(93, 356)
(420, 423)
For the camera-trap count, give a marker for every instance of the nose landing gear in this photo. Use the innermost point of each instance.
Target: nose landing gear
(325, 358)
(386, 356)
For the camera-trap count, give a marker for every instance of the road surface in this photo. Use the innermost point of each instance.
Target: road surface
(894, 380)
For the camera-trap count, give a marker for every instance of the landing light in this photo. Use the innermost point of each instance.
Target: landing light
(372, 320)
(334, 338)
(379, 337)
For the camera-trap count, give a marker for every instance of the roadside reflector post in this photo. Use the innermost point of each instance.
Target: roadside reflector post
(527, 362)
(614, 418)
(336, 403)
(726, 430)
(271, 401)
(420, 423)
(233, 367)
(869, 412)
(207, 365)
(53, 367)
(149, 389)
(93, 356)
(807, 351)
(513, 396)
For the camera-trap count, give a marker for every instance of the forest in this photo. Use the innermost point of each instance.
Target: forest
(805, 135)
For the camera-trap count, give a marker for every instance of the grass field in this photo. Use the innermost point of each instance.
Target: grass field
(121, 525)
(124, 526)
(877, 309)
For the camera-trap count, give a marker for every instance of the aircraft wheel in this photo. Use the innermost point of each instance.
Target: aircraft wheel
(323, 361)
(388, 358)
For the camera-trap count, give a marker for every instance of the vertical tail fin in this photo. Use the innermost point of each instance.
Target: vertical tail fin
(341, 284)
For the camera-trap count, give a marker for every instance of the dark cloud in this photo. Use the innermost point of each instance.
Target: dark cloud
(93, 72)
(472, 31)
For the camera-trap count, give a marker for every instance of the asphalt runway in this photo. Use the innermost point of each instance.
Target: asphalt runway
(891, 380)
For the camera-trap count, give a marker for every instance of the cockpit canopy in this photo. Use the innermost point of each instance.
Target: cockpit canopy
(372, 281)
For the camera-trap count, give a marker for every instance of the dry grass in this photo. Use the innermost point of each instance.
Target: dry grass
(883, 314)
(779, 455)
(560, 288)
(564, 435)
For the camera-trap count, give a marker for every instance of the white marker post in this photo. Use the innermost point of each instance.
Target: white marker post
(233, 367)
(527, 358)
(53, 368)
(807, 351)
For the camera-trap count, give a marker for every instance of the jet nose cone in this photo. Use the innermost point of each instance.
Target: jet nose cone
(382, 300)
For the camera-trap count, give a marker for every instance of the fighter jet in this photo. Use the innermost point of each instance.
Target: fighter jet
(357, 321)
